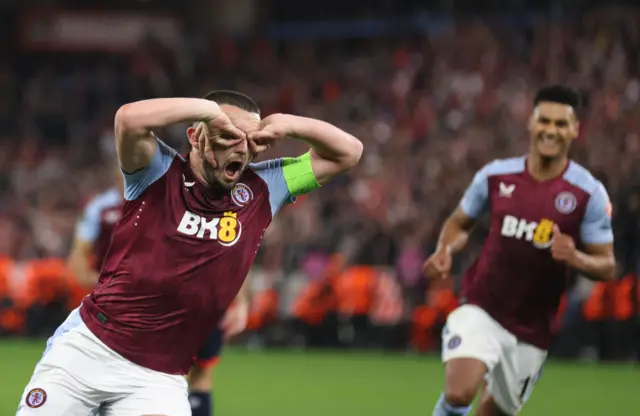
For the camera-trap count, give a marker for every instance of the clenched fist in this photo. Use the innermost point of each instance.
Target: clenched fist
(438, 265)
(563, 248)
(272, 129)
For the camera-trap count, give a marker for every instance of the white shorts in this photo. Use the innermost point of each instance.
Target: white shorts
(514, 366)
(78, 375)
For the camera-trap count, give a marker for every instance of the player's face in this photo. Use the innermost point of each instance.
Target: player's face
(232, 161)
(552, 128)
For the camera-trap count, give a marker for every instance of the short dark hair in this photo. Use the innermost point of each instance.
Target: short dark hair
(234, 98)
(558, 94)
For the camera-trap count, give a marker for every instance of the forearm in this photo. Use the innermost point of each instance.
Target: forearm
(594, 267)
(328, 141)
(83, 271)
(453, 237)
(142, 116)
(244, 295)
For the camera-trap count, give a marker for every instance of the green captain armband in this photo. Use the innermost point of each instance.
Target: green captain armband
(299, 175)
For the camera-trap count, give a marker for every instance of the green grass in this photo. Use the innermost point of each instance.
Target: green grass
(288, 383)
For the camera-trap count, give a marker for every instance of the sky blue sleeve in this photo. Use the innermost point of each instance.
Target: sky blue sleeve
(272, 173)
(475, 197)
(88, 227)
(596, 223)
(136, 183)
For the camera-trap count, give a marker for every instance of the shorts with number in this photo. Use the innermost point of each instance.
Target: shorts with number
(78, 375)
(514, 366)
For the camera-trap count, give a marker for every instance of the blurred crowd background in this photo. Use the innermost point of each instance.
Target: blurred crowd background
(433, 89)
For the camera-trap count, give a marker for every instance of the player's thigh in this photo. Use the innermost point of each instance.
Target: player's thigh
(511, 383)
(152, 400)
(210, 352)
(470, 333)
(201, 374)
(488, 407)
(200, 378)
(52, 392)
(63, 381)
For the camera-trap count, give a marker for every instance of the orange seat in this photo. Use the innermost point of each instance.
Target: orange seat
(423, 320)
(314, 302)
(6, 265)
(593, 308)
(354, 290)
(623, 309)
(264, 309)
(39, 281)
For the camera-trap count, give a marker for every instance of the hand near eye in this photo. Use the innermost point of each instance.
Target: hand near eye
(218, 132)
(272, 129)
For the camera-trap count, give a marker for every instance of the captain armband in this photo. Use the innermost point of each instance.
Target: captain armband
(298, 173)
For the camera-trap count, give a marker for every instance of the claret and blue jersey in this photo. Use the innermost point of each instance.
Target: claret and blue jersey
(98, 222)
(180, 254)
(515, 279)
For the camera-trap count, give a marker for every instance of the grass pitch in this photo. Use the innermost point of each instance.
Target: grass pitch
(289, 383)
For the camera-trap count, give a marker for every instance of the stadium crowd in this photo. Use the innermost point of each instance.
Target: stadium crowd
(431, 110)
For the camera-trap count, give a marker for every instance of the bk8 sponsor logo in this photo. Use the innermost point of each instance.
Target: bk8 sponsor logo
(226, 230)
(539, 234)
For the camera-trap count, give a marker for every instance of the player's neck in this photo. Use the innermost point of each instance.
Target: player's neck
(543, 169)
(195, 164)
(197, 173)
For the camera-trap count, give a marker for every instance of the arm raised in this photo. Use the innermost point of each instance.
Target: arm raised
(135, 122)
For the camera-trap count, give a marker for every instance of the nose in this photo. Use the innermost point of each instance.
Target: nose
(551, 130)
(242, 147)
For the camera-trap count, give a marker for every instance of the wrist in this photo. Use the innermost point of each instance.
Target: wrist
(444, 248)
(576, 260)
(210, 111)
(243, 297)
(243, 302)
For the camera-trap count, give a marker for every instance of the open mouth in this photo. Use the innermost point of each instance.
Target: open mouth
(549, 141)
(233, 170)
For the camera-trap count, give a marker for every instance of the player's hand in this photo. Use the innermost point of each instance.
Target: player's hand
(438, 265)
(563, 248)
(217, 133)
(235, 320)
(272, 129)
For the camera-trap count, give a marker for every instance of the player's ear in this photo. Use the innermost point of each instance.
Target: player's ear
(574, 124)
(192, 135)
(576, 129)
(531, 123)
(532, 119)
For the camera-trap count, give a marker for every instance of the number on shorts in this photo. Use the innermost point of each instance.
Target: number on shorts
(528, 384)
(523, 392)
